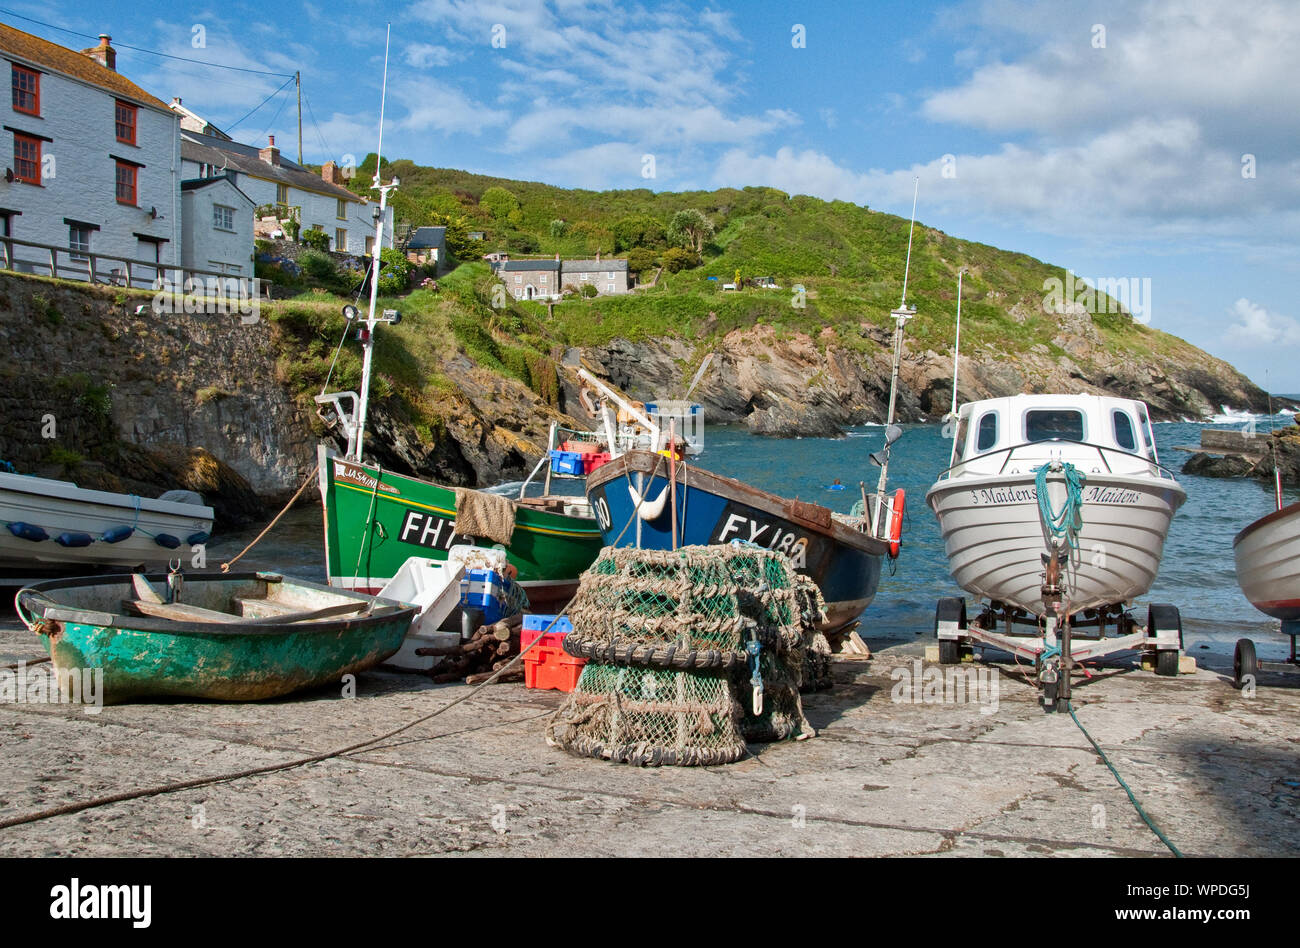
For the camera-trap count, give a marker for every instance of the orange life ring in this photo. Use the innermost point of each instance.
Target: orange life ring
(896, 523)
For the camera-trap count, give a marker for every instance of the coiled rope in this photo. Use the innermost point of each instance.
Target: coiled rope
(1063, 524)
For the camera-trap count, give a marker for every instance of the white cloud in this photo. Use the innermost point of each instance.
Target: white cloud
(426, 55)
(1253, 325)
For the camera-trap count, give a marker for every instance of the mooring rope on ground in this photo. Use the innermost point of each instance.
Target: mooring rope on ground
(1131, 798)
(127, 795)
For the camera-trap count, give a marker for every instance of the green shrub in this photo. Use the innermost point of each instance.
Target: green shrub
(589, 290)
(676, 259)
(318, 265)
(395, 277)
(315, 239)
(641, 260)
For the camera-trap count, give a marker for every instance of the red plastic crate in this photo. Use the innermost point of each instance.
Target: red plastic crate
(552, 668)
(592, 461)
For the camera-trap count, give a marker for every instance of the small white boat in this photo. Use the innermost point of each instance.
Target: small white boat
(49, 524)
(1055, 510)
(1267, 554)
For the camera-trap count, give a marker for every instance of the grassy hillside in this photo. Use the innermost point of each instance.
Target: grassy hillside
(849, 258)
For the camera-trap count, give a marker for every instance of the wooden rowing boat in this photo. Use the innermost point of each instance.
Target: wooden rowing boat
(225, 637)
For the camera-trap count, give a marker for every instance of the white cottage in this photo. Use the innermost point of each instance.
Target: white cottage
(93, 161)
(319, 201)
(218, 231)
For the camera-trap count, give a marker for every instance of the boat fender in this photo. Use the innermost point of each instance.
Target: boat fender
(194, 539)
(588, 399)
(896, 523)
(117, 534)
(28, 531)
(648, 510)
(74, 539)
(167, 540)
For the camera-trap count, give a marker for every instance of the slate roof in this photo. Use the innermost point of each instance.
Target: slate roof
(40, 53)
(517, 265)
(195, 184)
(427, 238)
(588, 266)
(235, 156)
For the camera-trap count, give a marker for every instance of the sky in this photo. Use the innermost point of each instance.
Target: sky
(1138, 140)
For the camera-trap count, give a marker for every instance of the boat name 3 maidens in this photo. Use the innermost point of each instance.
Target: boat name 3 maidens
(739, 527)
(1029, 495)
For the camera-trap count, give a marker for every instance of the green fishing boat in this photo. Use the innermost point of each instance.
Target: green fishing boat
(225, 637)
(376, 519)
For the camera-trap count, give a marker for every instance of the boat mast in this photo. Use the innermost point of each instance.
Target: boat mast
(368, 334)
(956, 359)
(901, 316)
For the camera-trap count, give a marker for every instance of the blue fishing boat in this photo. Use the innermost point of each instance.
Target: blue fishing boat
(647, 500)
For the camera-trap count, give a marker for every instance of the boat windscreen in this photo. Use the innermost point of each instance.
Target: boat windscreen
(1054, 424)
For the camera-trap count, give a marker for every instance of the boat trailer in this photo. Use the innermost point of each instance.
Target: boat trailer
(1054, 646)
(1246, 666)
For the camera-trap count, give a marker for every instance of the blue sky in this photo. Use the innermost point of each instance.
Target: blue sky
(1107, 137)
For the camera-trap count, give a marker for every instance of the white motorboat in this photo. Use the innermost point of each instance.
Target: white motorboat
(1267, 555)
(49, 525)
(1055, 510)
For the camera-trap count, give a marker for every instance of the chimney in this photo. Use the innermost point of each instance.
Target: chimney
(176, 100)
(598, 256)
(103, 54)
(557, 258)
(270, 154)
(330, 172)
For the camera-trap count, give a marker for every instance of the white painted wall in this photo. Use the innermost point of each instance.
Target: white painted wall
(317, 209)
(204, 243)
(80, 177)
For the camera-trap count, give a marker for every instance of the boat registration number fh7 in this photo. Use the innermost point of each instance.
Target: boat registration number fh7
(429, 530)
(739, 526)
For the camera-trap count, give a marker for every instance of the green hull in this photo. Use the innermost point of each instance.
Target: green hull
(375, 520)
(245, 660)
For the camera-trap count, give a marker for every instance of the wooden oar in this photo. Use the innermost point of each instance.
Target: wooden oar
(144, 590)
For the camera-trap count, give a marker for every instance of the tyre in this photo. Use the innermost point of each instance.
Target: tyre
(950, 610)
(1162, 617)
(1167, 663)
(1244, 664)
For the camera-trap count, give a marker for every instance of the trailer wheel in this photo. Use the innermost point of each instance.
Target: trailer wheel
(1167, 662)
(951, 610)
(1244, 663)
(1162, 617)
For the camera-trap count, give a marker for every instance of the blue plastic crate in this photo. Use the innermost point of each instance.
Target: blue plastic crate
(485, 590)
(540, 623)
(566, 462)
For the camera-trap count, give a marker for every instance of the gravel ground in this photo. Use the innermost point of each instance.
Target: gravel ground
(1219, 773)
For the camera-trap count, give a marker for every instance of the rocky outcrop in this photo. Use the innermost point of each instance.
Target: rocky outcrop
(1282, 448)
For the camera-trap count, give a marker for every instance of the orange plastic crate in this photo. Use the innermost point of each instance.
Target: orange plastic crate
(552, 668)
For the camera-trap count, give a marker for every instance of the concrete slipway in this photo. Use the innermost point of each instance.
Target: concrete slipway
(1219, 772)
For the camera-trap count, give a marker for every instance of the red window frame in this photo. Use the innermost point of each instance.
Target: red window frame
(21, 91)
(27, 159)
(127, 184)
(124, 122)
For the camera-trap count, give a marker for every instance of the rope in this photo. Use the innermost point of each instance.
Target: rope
(225, 567)
(1131, 798)
(1063, 524)
(126, 795)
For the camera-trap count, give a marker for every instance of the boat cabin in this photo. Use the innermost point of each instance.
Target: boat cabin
(1094, 431)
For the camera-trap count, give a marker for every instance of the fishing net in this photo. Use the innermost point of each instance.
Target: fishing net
(696, 607)
(671, 637)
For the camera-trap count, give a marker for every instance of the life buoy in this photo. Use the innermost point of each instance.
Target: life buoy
(588, 399)
(896, 523)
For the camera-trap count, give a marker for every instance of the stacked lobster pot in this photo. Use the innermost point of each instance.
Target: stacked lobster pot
(691, 653)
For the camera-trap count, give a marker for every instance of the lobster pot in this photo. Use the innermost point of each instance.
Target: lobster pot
(650, 716)
(670, 672)
(633, 606)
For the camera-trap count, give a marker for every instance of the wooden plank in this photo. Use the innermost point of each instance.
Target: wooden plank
(177, 611)
(144, 589)
(257, 607)
(328, 612)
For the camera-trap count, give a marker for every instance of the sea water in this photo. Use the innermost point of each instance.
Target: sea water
(1196, 573)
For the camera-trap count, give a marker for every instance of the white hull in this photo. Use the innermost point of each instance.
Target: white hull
(996, 541)
(1268, 563)
(58, 507)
